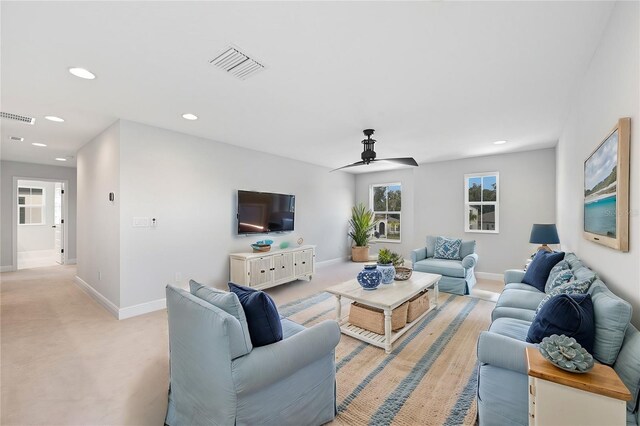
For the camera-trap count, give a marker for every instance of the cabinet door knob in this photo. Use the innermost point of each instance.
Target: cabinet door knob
(262, 271)
(283, 267)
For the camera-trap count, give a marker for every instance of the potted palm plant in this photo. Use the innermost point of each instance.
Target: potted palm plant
(361, 226)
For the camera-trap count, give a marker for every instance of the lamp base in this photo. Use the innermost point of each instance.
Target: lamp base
(544, 247)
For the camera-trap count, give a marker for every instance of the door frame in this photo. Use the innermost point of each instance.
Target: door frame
(14, 228)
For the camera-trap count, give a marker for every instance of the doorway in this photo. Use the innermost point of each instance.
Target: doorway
(39, 225)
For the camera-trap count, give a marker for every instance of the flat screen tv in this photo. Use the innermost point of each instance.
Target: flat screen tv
(264, 212)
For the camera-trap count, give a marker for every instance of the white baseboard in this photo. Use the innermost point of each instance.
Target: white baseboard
(7, 268)
(490, 276)
(333, 261)
(121, 313)
(142, 308)
(71, 262)
(95, 294)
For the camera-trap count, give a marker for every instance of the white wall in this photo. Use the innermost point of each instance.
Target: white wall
(434, 196)
(98, 218)
(39, 237)
(609, 91)
(11, 169)
(189, 185)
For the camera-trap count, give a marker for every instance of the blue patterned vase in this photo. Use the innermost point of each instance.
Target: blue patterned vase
(369, 278)
(388, 273)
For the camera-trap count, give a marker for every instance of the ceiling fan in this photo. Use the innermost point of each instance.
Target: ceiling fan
(369, 155)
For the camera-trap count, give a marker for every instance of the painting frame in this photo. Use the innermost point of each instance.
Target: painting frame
(601, 223)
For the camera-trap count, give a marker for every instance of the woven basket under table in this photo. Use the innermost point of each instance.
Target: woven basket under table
(372, 319)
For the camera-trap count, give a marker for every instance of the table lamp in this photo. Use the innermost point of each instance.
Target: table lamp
(544, 233)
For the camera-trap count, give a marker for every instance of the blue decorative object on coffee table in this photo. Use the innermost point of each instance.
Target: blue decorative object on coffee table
(369, 278)
(565, 353)
(388, 273)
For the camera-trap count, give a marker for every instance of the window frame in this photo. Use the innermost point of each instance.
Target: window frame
(467, 203)
(41, 206)
(371, 187)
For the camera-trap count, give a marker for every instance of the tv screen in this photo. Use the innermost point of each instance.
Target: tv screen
(263, 212)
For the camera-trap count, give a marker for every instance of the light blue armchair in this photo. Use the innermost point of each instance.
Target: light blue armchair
(457, 275)
(219, 379)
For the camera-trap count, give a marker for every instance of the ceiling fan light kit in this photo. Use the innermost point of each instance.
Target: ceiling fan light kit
(368, 155)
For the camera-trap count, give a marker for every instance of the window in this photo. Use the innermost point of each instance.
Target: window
(481, 202)
(385, 201)
(30, 206)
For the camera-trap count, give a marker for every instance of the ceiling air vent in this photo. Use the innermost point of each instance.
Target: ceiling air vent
(16, 138)
(23, 118)
(237, 63)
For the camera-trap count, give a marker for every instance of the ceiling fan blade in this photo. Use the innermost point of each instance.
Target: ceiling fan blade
(407, 161)
(359, 163)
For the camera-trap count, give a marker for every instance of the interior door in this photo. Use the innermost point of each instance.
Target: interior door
(58, 223)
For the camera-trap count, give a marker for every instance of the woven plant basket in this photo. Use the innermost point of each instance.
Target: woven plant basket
(372, 319)
(418, 305)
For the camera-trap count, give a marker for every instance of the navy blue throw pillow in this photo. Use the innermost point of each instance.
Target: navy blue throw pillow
(262, 315)
(568, 314)
(538, 271)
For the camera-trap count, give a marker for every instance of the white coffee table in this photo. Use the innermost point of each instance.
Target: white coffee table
(386, 297)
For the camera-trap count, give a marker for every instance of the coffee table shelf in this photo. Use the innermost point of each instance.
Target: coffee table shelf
(386, 297)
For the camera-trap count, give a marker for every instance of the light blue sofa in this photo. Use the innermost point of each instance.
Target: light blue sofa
(457, 275)
(217, 378)
(502, 376)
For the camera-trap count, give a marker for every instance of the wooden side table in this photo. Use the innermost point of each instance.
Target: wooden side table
(557, 397)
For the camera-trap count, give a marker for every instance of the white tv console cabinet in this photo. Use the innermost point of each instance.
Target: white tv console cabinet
(264, 270)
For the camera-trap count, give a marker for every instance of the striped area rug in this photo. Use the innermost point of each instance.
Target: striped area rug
(428, 379)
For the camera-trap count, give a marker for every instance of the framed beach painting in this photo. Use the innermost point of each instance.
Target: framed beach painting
(606, 190)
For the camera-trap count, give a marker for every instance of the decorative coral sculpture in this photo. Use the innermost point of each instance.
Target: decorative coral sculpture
(564, 352)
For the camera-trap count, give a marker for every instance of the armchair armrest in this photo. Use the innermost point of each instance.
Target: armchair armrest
(513, 276)
(470, 261)
(268, 364)
(503, 351)
(418, 254)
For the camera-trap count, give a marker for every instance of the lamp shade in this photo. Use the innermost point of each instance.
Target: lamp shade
(544, 233)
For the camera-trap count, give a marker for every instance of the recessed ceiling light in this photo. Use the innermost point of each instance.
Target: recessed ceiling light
(39, 144)
(16, 138)
(54, 118)
(499, 142)
(61, 159)
(82, 73)
(189, 116)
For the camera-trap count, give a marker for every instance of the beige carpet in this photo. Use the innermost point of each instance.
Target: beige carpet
(67, 361)
(428, 379)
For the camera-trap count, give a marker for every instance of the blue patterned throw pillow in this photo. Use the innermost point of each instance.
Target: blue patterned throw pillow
(572, 287)
(447, 248)
(560, 278)
(561, 266)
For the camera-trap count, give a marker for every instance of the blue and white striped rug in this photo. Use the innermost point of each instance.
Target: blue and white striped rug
(428, 379)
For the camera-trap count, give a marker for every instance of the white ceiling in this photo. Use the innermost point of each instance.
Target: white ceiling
(437, 80)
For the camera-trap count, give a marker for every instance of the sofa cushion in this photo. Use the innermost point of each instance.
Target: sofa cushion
(467, 247)
(447, 248)
(628, 365)
(290, 328)
(522, 286)
(262, 315)
(430, 245)
(571, 287)
(449, 268)
(612, 318)
(228, 302)
(510, 327)
(538, 271)
(515, 313)
(568, 314)
(573, 261)
(516, 298)
(561, 266)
